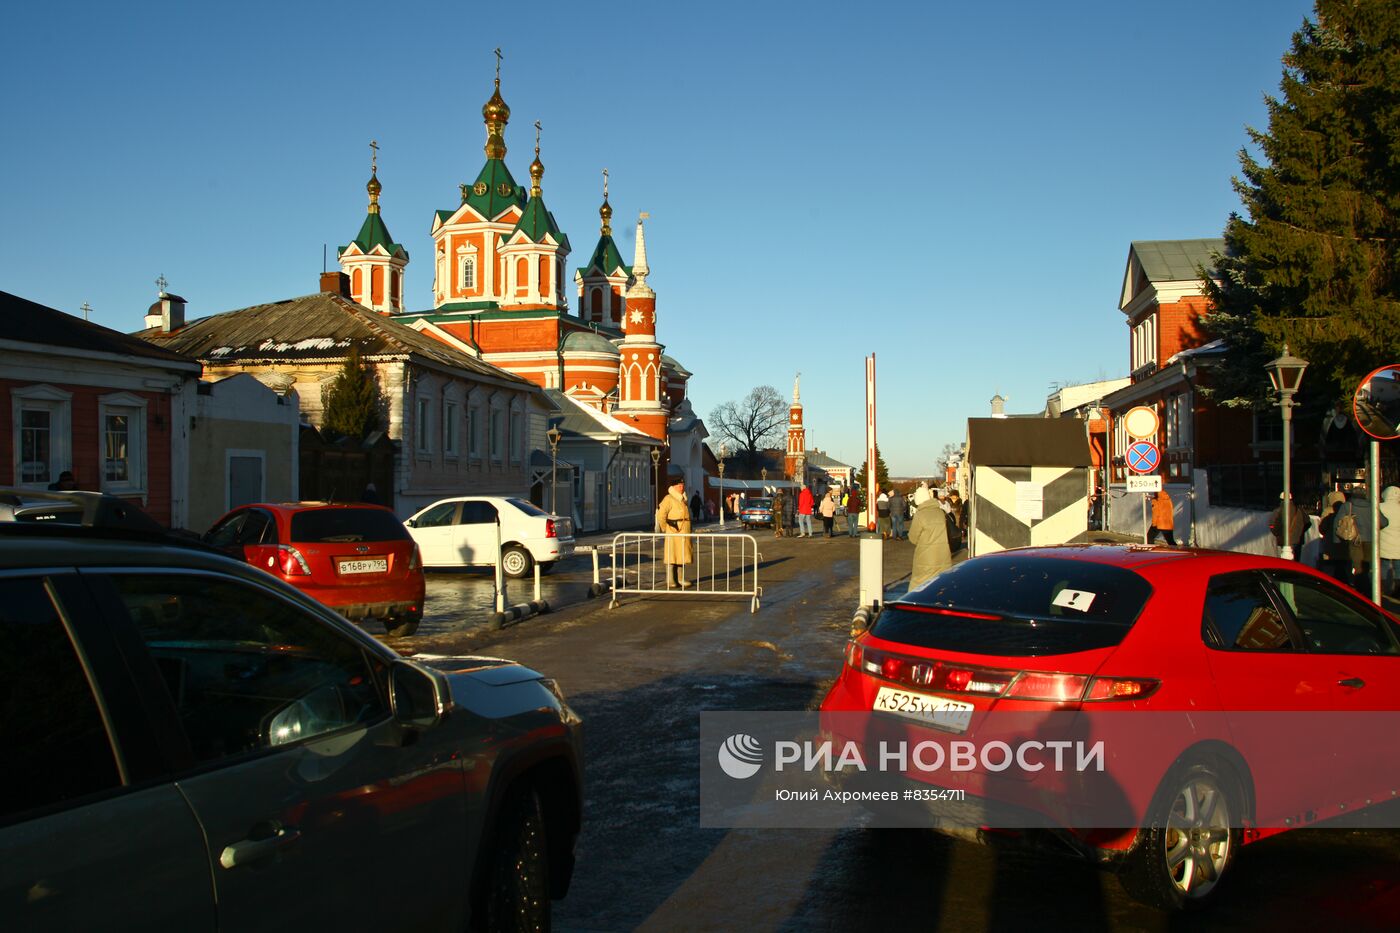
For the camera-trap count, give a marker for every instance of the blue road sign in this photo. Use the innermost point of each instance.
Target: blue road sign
(1143, 457)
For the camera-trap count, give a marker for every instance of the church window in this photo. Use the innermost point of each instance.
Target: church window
(595, 304)
(468, 273)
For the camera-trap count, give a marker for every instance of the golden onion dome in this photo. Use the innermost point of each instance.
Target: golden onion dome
(495, 110)
(605, 212)
(373, 186)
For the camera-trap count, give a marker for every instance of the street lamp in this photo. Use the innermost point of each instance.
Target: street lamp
(553, 434)
(723, 452)
(1286, 373)
(655, 479)
(763, 472)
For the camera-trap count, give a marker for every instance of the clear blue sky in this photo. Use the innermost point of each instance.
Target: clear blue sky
(950, 186)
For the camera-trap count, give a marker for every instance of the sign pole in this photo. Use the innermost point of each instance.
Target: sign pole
(1375, 484)
(872, 483)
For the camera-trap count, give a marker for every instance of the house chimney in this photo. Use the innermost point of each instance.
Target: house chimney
(336, 283)
(168, 313)
(998, 406)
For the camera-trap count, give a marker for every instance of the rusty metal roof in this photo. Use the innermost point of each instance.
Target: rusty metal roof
(27, 321)
(320, 327)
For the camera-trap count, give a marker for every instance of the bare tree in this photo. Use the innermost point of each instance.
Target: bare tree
(752, 424)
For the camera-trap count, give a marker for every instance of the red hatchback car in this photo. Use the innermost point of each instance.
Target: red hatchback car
(358, 559)
(1234, 696)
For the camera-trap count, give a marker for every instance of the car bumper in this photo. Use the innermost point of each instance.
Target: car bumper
(379, 601)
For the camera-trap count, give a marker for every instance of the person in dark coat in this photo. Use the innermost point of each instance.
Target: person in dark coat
(853, 507)
(1297, 525)
(370, 495)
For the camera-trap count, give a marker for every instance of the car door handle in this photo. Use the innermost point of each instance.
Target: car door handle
(1355, 682)
(248, 851)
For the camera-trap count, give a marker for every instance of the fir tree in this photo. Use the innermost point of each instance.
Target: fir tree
(882, 472)
(352, 401)
(1316, 263)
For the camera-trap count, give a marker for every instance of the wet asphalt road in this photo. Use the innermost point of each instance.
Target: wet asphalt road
(639, 675)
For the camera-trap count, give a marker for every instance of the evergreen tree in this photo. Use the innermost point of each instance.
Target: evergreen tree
(882, 472)
(352, 402)
(1316, 264)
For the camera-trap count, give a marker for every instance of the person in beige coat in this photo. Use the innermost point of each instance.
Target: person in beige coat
(673, 518)
(929, 535)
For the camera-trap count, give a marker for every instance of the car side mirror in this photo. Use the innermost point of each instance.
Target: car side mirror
(418, 697)
(412, 523)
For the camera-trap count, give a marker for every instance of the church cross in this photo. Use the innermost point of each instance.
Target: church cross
(86, 309)
(498, 66)
(373, 157)
(537, 139)
(161, 283)
(605, 184)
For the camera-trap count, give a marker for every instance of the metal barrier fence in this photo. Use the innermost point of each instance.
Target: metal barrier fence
(720, 565)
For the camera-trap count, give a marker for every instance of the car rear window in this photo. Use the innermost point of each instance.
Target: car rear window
(529, 508)
(758, 504)
(329, 525)
(1018, 606)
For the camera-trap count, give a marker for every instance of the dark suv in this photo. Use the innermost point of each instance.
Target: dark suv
(192, 744)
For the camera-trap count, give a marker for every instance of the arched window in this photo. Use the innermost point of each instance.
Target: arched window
(595, 304)
(468, 272)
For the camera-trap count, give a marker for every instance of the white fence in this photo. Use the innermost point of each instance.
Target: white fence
(720, 565)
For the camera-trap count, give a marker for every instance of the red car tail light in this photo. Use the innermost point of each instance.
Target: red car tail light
(1121, 688)
(945, 677)
(415, 561)
(291, 563)
(549, 531)
(1055, 688)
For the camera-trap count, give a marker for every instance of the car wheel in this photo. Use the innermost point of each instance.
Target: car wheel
(517, 898)
(403, 626)
(516, 561)
(1189, 841)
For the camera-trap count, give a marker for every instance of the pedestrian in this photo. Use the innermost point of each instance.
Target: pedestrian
(370, 494)
(955, 508)
(1297, 524)
(929, 534)
(853, 506)
(882, 514)
(828, 510)
(1162, 519)
(778, 515)
(921, 494)
(1355, 514)
(673, 517)
(1336, 556)
(1390, 539)
(899, 513)
(66, 481)
(697, 508)
(805, 504)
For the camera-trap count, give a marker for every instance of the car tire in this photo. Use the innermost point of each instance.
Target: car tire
(1190, 840)
(516, 562)
(517, 895)
(404, 625)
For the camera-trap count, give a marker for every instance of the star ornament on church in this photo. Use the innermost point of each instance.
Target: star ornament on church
(636, 316)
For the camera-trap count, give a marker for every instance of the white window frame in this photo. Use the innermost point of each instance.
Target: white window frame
(59, 405)
(497, 431)
(451, 442)
(134, 408)
(423, 426)
(516, 426)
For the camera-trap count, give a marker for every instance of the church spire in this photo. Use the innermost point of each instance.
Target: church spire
(373, 186)
(640, 288)
(605, 212)
(496, 115)
(797, 389)
(536, 167)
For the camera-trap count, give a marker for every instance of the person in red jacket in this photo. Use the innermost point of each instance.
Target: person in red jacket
(805, 503)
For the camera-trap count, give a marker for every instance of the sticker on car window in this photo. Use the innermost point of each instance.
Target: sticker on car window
(1078, 600)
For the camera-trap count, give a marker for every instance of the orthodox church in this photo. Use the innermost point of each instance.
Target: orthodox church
(500, 293)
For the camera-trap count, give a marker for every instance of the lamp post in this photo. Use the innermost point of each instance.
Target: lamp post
(1286, 373)
(553, 434)
(655, 479)
(763, 472)
(723, 452)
